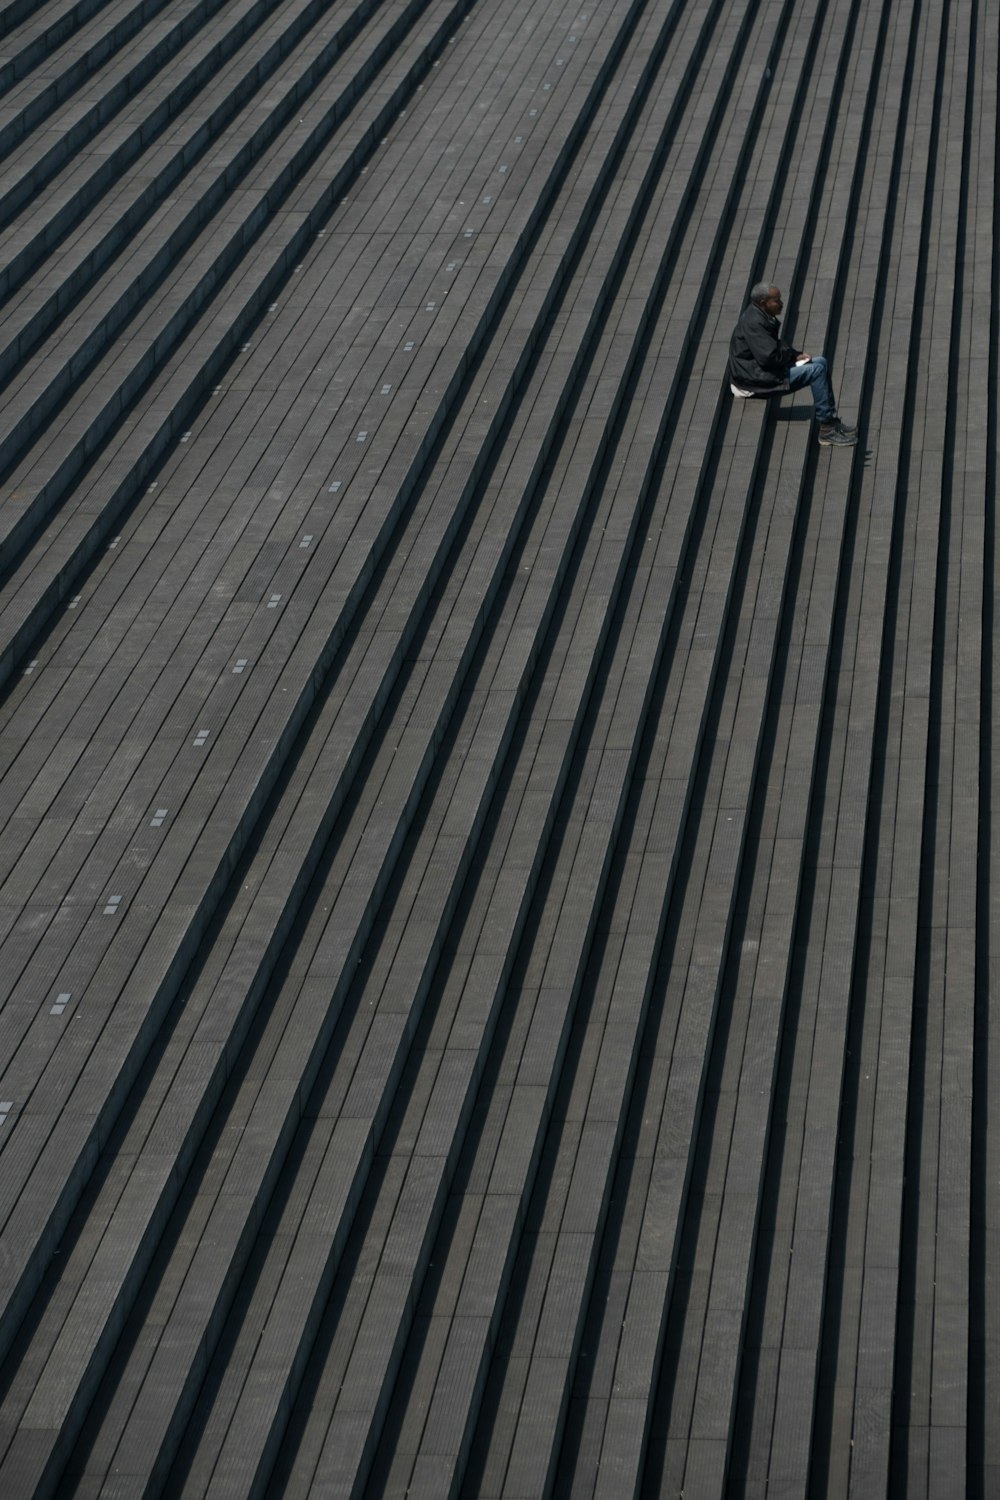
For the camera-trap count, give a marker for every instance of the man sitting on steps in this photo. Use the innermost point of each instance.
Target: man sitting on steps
(762, 364)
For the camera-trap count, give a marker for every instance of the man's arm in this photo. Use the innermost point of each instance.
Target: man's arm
(765, 346)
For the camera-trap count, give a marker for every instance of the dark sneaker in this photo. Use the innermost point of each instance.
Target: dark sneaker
(836, 435)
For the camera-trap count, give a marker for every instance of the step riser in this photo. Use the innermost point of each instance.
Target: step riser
(193, 389)
(501, 1076)
(165, 994)
(86, 356)
(34, 51)
(111, 516)
(81, 69)
(83, 131)
(467, 1104)
(469, 1101)
(467, 860)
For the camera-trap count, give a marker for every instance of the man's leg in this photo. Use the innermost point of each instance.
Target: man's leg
(816, 374)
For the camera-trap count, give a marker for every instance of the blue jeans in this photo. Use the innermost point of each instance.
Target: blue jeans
(816, 372)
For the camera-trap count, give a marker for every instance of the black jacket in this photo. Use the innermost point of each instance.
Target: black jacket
(758, 358)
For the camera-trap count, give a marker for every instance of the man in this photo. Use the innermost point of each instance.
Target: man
(762, 364)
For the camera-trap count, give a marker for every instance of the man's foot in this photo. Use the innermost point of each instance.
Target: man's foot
(836, 435)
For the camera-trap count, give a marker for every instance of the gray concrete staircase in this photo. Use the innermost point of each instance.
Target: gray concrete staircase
(495, 836)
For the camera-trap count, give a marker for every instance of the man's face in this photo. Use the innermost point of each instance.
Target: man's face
(772, 303)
